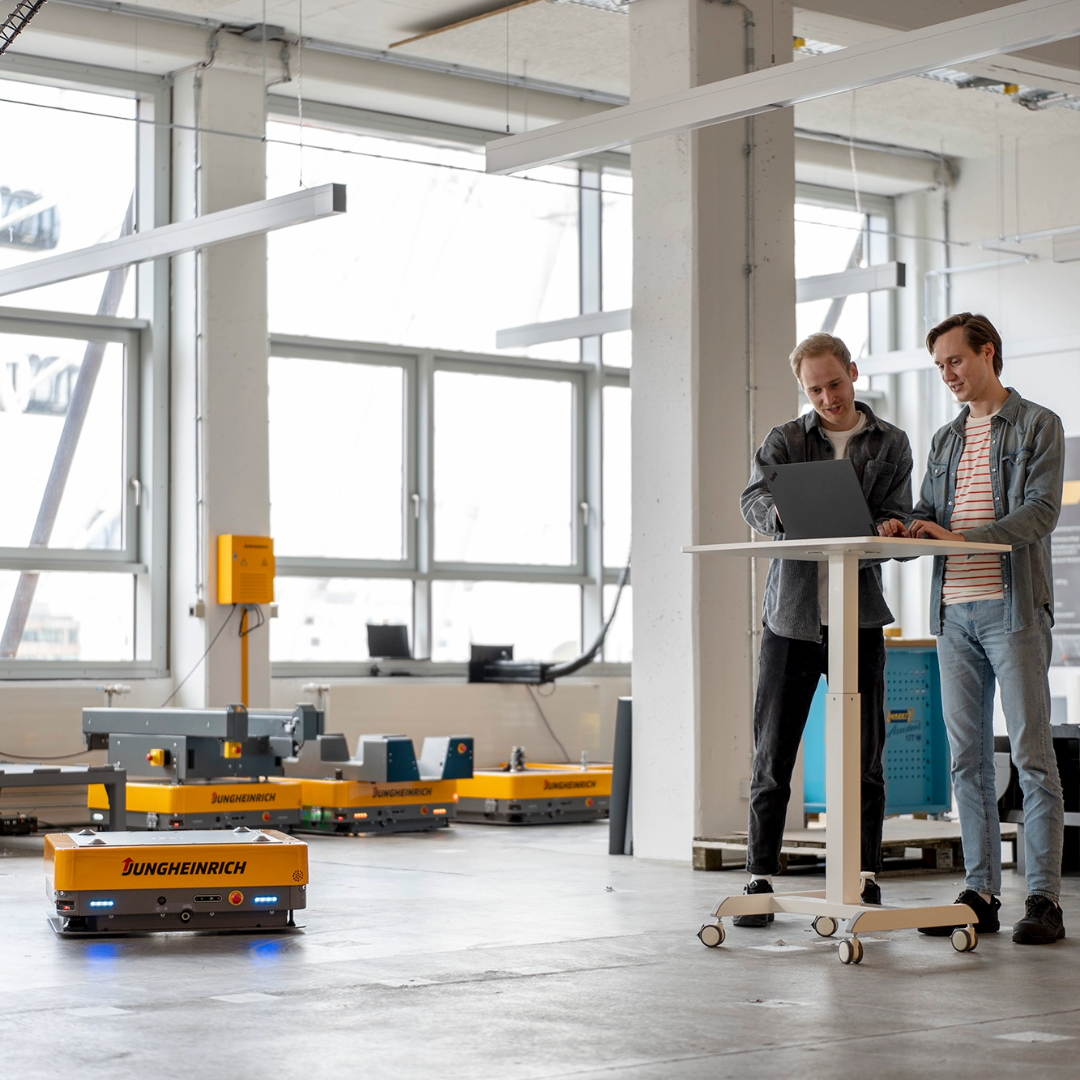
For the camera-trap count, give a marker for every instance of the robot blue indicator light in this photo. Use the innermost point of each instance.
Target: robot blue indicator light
(102, 903)
(265, 900)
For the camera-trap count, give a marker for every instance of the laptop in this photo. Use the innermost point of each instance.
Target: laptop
(819, 499)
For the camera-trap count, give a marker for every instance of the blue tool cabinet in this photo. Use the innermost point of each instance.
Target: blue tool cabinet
(917, 760)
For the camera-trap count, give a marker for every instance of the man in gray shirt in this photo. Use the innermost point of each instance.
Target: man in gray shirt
(795, 640)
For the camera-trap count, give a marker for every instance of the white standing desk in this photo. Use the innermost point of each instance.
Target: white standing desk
(841, 900)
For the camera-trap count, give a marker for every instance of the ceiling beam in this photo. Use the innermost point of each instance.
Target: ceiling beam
(947, 44)
(250, 219)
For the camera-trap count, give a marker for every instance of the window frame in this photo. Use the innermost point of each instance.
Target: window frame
(588, 378)
(146, 402)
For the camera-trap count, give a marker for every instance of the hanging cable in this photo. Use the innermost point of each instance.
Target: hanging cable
(547, 723)
(195, 667)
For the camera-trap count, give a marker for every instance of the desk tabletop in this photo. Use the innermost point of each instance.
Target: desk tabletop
(865, 547)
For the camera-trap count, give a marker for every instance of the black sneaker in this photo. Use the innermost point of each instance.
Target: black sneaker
(755, 888)
(871, 892)
(1042, 923)
(987, 914)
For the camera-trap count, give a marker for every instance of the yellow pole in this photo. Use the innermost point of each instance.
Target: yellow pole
(244, 656)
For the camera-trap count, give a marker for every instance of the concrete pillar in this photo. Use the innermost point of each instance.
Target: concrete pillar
(220, 452)
(701, 340)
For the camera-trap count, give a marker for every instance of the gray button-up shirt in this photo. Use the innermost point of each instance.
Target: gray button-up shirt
(1027, 468)
(881, 455)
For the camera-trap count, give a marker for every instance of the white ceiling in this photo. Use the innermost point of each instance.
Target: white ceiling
(370, 23)
(588, 48)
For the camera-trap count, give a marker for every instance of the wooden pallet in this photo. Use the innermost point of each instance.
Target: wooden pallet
(937, 841)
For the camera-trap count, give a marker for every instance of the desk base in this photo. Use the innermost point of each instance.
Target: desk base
(856, 919)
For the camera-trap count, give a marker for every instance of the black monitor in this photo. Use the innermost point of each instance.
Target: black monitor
(388, 641)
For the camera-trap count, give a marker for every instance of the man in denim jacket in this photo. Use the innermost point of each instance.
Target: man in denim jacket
(794, 644)
(995, 476)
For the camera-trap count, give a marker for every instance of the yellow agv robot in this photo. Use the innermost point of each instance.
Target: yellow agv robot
(124, 882)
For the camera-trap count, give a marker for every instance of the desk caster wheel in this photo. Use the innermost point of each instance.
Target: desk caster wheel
(825, 925)
(851, 951)
(711, 935)
(964, 938)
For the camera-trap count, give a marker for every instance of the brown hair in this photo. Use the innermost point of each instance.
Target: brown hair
(978, 331)
(819, 345)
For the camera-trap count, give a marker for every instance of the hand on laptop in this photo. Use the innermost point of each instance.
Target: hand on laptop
(893, 527)
(931, 530)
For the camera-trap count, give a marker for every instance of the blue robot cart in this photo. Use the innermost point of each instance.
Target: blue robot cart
(917, 760)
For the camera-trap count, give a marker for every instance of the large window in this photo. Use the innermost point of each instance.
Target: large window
(417, 476)
(433, 252)
(832, 234)
(504, 481)
(75, 368)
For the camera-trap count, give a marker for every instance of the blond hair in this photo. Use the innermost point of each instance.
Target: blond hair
(819, 345)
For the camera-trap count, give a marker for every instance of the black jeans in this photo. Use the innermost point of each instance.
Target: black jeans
(788, 676)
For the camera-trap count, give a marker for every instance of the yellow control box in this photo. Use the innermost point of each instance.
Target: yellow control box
(245, 569)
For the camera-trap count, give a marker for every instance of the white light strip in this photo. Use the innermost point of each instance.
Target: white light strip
(823, 287)
(947, 44)
(232, 224)
(592, 325)
(1067, 247)
(849, 282)
(895, 363)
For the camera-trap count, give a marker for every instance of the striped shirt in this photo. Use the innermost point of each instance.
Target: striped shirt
(973, 577)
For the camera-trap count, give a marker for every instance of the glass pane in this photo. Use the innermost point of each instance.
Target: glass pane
(503, 453)
(336, 459)
(852, 325)
(73, 153)
(433, 252)
(38, 378)
(326, 618)
(616, 475)
(617, 348)
(542, 622)
(829, 240)
(619, 643)
(617, 241)
(75, 616)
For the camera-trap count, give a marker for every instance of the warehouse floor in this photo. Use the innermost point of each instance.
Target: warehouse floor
(499, 954)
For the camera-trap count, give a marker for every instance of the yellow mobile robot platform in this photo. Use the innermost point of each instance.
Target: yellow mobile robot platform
(535, 793)
(203, 768)
(205, 805)
(383, 788)
(124, 882)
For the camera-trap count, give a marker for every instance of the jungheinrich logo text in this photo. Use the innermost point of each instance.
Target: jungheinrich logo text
(243, 797)
(563, 784)
(167, 869)
(394, 793)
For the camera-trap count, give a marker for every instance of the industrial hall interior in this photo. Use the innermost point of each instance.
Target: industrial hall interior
(540, 539)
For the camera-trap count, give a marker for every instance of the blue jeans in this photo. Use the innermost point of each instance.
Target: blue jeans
(973, 651)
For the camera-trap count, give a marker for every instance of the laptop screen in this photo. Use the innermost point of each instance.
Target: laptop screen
(818, 499)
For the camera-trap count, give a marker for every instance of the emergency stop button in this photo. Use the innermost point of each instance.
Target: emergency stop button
(236, 897)
(159, 757)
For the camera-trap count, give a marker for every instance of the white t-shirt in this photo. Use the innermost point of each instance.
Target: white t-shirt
(839, 440)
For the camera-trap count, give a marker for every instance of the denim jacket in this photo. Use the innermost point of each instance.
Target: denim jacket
(1027, 467)
(882, 459)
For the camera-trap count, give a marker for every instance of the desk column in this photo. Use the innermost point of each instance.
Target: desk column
(843, 735)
